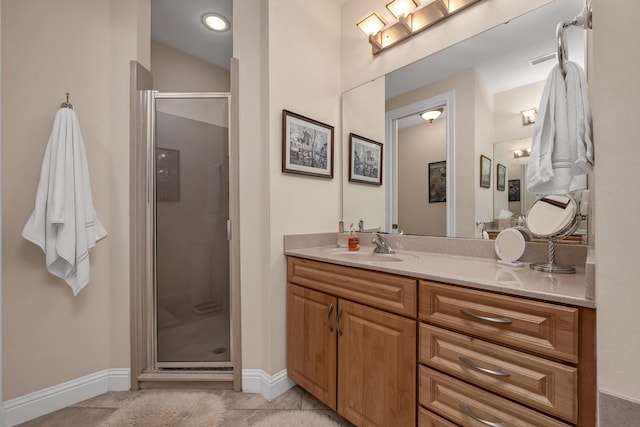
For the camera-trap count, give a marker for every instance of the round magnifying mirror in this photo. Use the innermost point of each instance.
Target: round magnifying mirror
(553, 217)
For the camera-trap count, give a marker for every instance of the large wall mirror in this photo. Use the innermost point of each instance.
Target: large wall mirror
(431, 168)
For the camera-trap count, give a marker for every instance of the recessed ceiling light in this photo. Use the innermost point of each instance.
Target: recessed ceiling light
(215, 22)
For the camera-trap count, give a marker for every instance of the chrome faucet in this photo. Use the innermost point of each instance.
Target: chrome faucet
(382, 247)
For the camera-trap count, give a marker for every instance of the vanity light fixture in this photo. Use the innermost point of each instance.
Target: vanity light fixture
(525, 152)
(529, 116)
(215, 22)
(411, 19)
(431, 115)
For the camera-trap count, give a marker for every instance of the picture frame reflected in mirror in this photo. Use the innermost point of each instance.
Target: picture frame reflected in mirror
(438, 182)
(365, 160)
(485, 171)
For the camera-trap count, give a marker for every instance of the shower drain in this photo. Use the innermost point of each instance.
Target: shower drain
(219, 350)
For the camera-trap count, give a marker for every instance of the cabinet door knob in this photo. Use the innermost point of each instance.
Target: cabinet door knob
(470, 313)
(496, 372)
(338, 321)
(469, 412)
(329, 326)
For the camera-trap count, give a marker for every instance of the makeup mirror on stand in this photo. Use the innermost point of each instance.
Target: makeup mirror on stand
(553, 218)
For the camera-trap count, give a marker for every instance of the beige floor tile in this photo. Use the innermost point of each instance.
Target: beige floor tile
(111, 399)
(291, 399)
(71, 417)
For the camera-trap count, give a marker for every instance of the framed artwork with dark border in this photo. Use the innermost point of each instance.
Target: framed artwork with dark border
(438, 182)
(167, 175)
(307, 146)
(501, 177)
(514, 190)
(365, 160)
(485, 171)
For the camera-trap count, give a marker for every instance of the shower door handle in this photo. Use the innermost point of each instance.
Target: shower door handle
(228, 229)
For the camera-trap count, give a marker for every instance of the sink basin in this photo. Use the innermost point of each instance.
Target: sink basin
(370, 256)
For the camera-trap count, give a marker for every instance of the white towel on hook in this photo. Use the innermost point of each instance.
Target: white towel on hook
(562, 149)
(64, 222)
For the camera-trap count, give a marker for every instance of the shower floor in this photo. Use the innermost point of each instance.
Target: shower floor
(186, 333)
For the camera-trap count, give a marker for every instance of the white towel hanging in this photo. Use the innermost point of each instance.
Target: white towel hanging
(64, 222)
(562, 150)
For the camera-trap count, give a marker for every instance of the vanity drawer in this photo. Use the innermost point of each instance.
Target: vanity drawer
(429, 419)
(461, 402)
(534, 381)
(389, 292)
(540, 327)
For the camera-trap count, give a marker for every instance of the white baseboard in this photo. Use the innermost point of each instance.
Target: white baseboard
(34, 405)
(258, 381)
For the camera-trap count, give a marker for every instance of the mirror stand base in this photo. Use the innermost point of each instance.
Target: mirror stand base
(553, 268)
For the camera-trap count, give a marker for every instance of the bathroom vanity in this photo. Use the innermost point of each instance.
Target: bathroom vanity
(432, 339)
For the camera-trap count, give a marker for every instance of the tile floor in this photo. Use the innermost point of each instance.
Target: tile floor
(243, 409)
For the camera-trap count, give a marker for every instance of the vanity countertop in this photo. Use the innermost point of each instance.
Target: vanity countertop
(473, 272)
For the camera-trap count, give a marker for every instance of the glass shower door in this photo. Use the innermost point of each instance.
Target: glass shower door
(192, 286)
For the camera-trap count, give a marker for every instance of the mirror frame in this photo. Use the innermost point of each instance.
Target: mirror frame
(446, 100)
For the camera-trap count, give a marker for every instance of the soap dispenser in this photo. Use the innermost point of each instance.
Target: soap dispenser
(354, 241)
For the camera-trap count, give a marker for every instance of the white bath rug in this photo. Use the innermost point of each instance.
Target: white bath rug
(296, 419)
(169, 409)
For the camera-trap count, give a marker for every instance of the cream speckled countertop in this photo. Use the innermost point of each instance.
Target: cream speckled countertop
(478, 272)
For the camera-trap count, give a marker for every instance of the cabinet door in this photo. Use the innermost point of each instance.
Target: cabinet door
(377, 366)
(311, 342)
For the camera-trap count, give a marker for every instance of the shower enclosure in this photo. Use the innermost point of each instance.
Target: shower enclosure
(185, 251)
(191, 170)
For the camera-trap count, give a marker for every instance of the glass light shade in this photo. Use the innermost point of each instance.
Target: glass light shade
(215, 22)
(371, 24)
(431, 115)
(401, 7)
(529, 116)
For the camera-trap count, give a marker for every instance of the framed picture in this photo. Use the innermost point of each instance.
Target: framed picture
(501, 176)
(365, 160)
(514, 190)
(437, 182)
(307, 146)
(167, 175)
(485, 171)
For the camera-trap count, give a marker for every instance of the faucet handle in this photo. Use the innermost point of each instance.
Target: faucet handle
(381, 238)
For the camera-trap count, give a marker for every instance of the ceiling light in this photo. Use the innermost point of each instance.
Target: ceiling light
(525, 152)
(431, 115)
(371, 24)
(215, 22)
(529, 116)
(401, 8)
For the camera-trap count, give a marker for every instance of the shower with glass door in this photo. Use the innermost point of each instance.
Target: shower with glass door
(191, 311)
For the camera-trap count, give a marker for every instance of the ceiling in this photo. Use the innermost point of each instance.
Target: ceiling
(177, 23)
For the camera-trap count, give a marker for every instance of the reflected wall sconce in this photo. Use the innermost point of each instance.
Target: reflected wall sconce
(525, 152)
(431, 115)
(412, 17)
(529, 116)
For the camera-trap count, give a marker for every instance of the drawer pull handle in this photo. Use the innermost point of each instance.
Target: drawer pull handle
(338, 321)
(488, 319)
(329, 318)
(469, 412)
(496, 372)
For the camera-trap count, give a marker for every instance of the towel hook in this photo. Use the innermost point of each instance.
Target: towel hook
(66, 104)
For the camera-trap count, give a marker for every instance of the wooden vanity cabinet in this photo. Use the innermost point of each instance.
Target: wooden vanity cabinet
(504, 359)
(356, 358)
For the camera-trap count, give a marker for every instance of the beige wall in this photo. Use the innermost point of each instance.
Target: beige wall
(49, 336)
(364, 118)
(417, 147)
(614, 92)
(483, 143)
